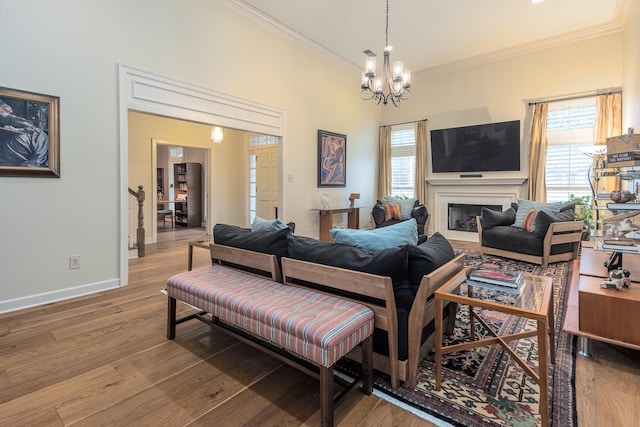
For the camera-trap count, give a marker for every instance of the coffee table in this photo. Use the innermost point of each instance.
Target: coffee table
(533, 301)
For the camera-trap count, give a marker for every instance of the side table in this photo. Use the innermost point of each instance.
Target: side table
(198, 243)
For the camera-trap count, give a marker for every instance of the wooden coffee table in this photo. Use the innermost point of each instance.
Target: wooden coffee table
(534, 301)
(198, 243)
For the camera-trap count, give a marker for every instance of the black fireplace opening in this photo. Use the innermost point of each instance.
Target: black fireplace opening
(462, 217)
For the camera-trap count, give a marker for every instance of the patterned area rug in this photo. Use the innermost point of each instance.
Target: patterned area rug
(483, 386)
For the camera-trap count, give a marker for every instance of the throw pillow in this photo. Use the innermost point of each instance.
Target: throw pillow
(406, 205)
(392, 211)
(402, 233)
(425, 258)
(525, 206)
(544, 220)
(269, 242)
(529, 220)
(261, 224)
(490, 218)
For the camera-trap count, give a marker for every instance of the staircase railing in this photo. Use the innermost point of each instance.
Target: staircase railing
(140, 196)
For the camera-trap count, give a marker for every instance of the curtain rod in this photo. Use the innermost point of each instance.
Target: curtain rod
(569, 97)
(406, 123)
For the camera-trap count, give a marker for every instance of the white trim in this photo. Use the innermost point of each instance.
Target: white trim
(57, 295)
(476, 181)
(149, 93)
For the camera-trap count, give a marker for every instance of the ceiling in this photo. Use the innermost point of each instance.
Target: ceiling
(437, 35)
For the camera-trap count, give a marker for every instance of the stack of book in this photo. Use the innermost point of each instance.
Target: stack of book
(620, 244)
(507, 281)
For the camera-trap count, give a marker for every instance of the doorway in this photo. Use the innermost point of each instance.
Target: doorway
(153, 94)
(263, 194)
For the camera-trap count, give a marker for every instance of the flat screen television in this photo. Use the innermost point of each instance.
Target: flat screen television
(479, 148)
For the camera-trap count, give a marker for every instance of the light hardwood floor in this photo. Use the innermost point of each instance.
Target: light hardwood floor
(103, 359)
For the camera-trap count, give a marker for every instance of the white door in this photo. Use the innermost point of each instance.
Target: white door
(263, 181)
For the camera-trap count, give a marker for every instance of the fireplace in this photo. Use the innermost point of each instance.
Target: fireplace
(462, 217)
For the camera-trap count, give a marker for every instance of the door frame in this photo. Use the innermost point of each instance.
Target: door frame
(149, 93)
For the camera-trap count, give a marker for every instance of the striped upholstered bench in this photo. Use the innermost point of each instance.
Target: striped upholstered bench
(316, 328)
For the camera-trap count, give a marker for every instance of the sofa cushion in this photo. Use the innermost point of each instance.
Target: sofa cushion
(513, 239)
(269, 242)
(261, 224)
(544, 220)
(392, 262)
(403, 233)
(378, 213)
(525, 206)
(425, 258)
(491, 218)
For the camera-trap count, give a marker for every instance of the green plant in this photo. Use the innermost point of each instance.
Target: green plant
(583, 211)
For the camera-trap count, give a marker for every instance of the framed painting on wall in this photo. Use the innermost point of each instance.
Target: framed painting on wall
(332, 159)
(29, 134)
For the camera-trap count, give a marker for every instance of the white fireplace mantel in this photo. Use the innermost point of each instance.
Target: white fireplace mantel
(477, 181)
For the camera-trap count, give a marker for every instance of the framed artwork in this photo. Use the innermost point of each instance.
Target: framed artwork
(332, 159)
(29, 134)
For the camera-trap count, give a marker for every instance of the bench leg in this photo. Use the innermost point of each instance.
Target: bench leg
(171, 318)
(326, 396)
(367, 365)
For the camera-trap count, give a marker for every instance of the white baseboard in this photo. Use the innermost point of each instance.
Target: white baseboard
(57, 295)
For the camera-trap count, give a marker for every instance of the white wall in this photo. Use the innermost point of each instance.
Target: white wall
(72, 49)
(497, 91)
(631, 63)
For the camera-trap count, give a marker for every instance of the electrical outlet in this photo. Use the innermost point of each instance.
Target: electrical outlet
(74, 262)
(290, 178)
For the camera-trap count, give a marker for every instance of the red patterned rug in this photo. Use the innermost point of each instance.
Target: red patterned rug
(483, 386)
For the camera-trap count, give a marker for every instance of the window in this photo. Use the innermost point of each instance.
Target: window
(570, 135)
(403, 160)
(255, 141)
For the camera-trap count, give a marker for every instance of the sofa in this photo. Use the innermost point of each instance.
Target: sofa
(383, 214)
(539, 233)
(415, 272)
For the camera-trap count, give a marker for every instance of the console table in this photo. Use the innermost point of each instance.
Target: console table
(600, 314)
(326, 220)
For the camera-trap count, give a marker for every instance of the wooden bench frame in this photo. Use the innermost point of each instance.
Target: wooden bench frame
(386, 317)
(268, 263)
(557, 234)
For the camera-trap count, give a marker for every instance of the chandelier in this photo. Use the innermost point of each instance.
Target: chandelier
(390, 86)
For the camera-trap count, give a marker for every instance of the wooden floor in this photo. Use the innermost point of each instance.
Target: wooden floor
(103, 359)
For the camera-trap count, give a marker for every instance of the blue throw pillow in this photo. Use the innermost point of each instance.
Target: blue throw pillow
(525, 206)
(261, 224)
(403, 233)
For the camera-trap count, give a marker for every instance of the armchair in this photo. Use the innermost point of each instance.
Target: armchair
(412, 209)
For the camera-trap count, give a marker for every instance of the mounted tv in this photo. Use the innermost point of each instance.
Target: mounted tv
(481, 148)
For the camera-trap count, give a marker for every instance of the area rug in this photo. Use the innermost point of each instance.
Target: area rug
(483, 386)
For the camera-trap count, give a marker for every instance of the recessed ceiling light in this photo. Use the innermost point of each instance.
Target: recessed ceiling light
(536, 1)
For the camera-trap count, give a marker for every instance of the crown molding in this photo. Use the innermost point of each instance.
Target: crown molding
(287, 32)
(521, 49)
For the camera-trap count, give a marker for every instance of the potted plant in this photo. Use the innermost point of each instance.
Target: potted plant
(583, 211)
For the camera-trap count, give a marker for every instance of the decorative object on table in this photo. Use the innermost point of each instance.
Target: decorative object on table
(624, 150)
(29, 134)
(622, 196)
(617, 280)
(352, 198)
(325, 201)
(390, 85)
(332, 159)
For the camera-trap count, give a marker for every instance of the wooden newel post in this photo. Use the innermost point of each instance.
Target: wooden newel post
(140, 231)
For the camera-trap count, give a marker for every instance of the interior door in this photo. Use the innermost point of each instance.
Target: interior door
(267, 181)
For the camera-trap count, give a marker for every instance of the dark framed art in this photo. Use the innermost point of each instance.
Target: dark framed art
(29, 134)
(332, 159)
